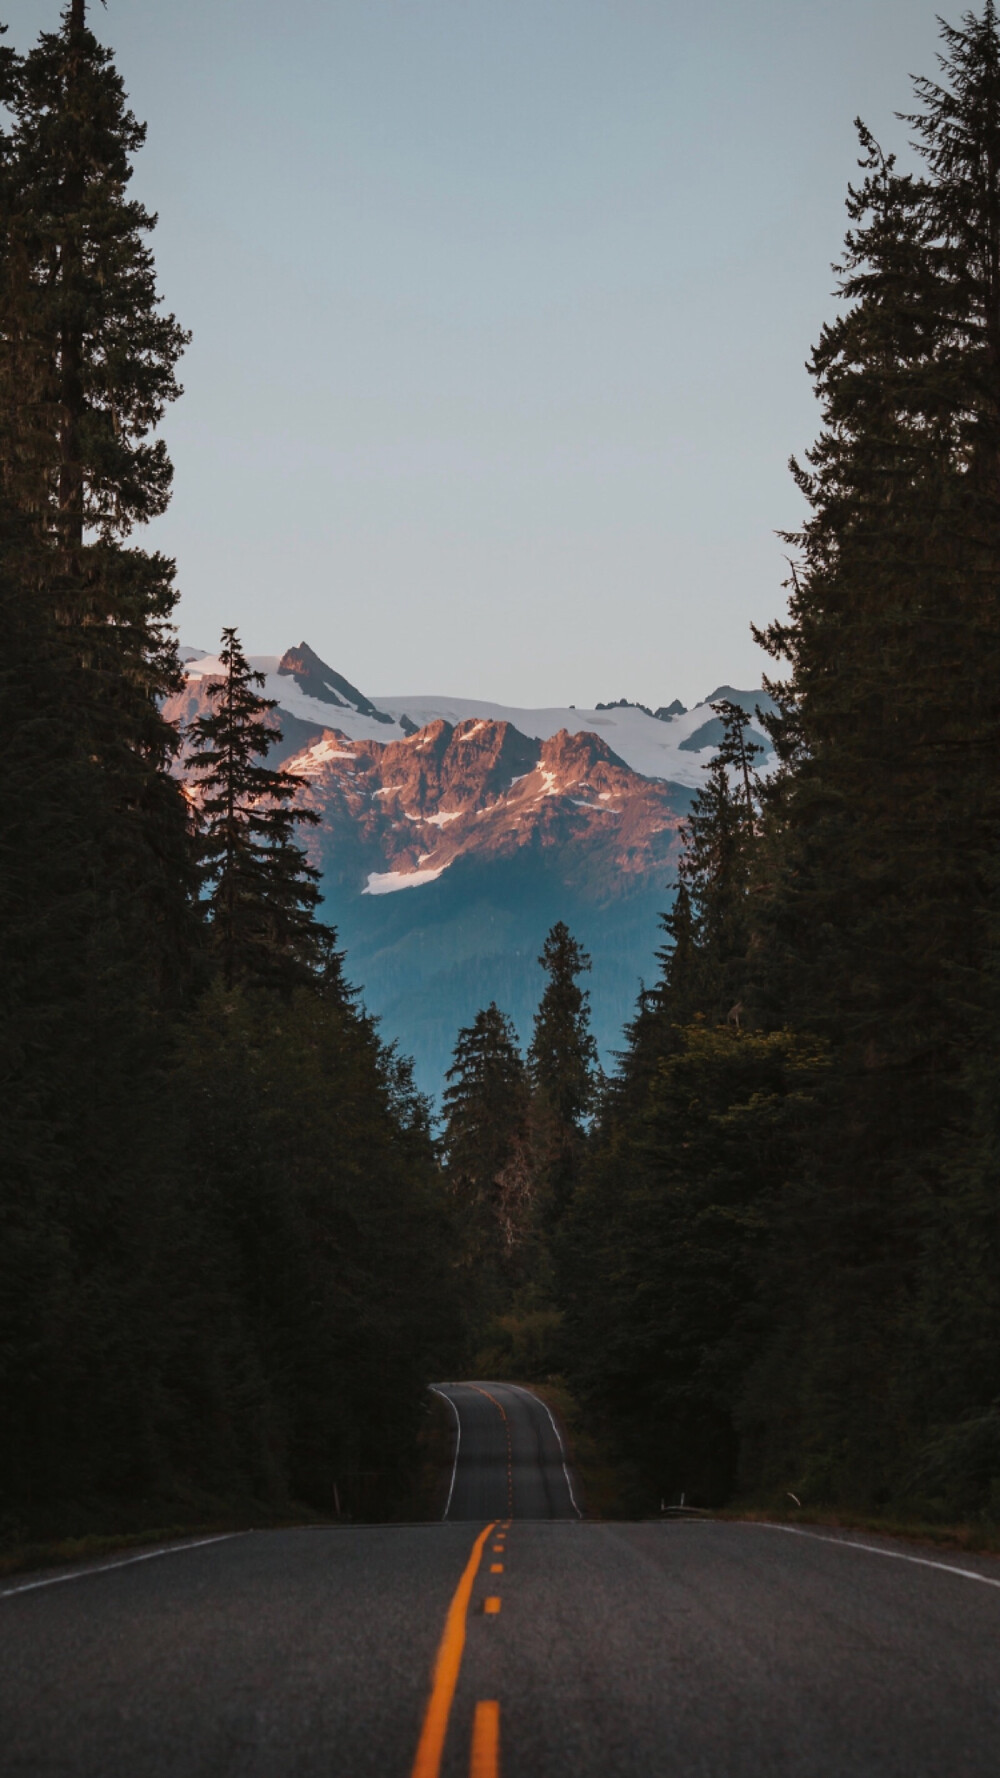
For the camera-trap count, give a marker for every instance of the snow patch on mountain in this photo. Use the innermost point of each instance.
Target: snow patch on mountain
(676, 749)
(386, 882)
(652, 747)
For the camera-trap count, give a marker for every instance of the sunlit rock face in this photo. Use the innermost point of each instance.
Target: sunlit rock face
(453, 834)
(403, 812)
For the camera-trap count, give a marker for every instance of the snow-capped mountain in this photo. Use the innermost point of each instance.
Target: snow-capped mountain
(670, 746)
(497, 821)
(398, 815)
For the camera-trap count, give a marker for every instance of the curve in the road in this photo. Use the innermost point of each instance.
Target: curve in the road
(510, 1461)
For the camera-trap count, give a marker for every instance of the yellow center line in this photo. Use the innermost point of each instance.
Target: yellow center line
(491, 1606)
(430, 1747)
(496, 1567)
(484, 1761)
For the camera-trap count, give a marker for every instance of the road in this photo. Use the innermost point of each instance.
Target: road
(541, 1647)
(510, 1461)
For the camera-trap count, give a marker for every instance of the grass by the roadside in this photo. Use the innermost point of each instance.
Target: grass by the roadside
(614, 1488)
(427, 1493)
(59, 1552)
(983, 1539)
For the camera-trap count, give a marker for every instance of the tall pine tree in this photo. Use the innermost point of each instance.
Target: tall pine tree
(261, 891)
(562, 1068)
(878, 915)
(485, 1139)
(87, 368)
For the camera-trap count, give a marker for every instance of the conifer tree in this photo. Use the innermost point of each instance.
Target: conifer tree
(879, 905)
(848, 1238)
(89, 358)
(185, 1317)
(673, 1000)
(261, 890)
(562, 1068)
(562, 1058)
(712, 920)
(485, 1140)
(87, 367)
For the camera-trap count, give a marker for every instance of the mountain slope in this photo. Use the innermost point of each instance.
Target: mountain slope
(454, 833)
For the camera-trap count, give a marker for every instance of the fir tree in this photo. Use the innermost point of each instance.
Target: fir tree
(876, 918)
(716, 872)
(562, 1058)
(847, 1239)
(261, 890)
(667, 1247)
(186, 1318)
(485, 1140)
(82, 309)
(702, 964)
(87, 367)
(562, 1068)
(672, 1002)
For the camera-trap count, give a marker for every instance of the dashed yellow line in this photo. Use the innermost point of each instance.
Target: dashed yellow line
(484, 1761)
(430, 1747)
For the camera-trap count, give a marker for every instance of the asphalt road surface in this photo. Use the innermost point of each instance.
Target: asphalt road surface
(510, 1461)
(539, 1648)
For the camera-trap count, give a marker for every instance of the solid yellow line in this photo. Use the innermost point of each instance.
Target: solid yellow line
(485, 1758)
(430, 1747)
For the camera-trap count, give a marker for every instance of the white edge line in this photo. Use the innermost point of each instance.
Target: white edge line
(173, 1549)
(458, 1442)
(562, 1447)
(871, 1549)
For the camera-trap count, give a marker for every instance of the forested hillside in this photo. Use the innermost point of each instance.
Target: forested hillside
(224, 1273)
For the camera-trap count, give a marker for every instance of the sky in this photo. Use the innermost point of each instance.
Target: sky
(500, 315)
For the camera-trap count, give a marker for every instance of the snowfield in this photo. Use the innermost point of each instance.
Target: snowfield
(645, 743)
(385, 882)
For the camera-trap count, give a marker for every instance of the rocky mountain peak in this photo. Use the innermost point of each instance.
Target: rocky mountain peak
(397, 814)
(567, 752)
(317, 680)
(447, 767)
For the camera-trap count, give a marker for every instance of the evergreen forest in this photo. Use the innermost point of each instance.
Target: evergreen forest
(771, 1241)
(764, 1254)
(224, 1273)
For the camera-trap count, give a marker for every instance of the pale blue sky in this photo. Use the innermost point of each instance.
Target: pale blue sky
(500, 313)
